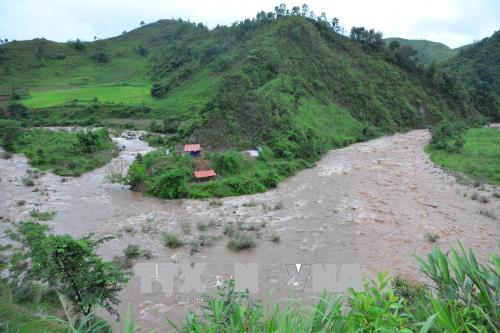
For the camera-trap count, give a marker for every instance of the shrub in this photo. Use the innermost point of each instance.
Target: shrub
(275, 238)
(10, 131)
(431, 237)
(136, 175)
(171, 183)
(229, 230)
(42, 216)
(484, 199)
(28, 182)
(488, 213)
(132, 251)
(77, 45)
(240, 241)
(100, 57)
(17, 110)
(172, 241)
(216, 203)
(228, 163)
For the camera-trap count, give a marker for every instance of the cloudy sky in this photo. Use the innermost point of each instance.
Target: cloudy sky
(452, 22)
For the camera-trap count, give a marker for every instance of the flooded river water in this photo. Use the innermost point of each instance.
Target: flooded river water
(368, 204)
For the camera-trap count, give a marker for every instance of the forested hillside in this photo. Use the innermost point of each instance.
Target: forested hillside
(282, 78)
(478, 66)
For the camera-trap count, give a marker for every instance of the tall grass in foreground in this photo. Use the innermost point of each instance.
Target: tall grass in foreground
(464, 297)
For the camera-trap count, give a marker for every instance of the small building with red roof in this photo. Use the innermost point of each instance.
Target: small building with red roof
(193, 149)
(204, 174)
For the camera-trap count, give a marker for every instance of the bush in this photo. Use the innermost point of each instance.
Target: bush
(228, 163)
(136, 175)
(42, 216)
(100, 57)
(77, 45)
(10, 131)
(17, 110)
(132, 251)
(172, 241)
(240, 241)
(171, 183)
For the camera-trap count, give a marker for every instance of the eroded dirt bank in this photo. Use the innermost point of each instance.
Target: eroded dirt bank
(370, 204)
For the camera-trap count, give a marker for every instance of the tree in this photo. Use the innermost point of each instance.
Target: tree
(336, 25)
(16, 110)
(369, 38)
(305, 10)
(10, 131)
(78, 45)
(68, 265)
(280, 10)
(394, 45)
(142, 23)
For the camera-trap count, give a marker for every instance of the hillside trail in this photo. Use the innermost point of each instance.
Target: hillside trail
(368, 204)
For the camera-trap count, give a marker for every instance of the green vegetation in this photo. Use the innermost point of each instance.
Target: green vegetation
(42, 216)
(478, 66)
(240, 241)
(66, 154)
(19, 310)
(317, 129)
(287, 81)
(462, 295)
(69, 266)
(172, 241)
(472, 151)
(464, 300)
(427, 51)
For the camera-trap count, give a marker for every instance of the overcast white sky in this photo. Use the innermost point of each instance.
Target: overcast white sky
(452, 22)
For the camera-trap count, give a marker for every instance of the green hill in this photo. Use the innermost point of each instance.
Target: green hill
(478, 66)
(287, 83)
(251, 73)
(427, 50)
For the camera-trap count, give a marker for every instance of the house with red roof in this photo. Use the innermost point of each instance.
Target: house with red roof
(193, 149)
(204, 174)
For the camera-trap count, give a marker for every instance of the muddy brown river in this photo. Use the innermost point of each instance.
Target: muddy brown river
(369, 204)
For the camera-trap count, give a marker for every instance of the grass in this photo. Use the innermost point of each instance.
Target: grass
(479, 158)
(87, 94)
(61, 151)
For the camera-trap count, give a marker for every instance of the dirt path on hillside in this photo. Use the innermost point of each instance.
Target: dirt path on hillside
(368, 204)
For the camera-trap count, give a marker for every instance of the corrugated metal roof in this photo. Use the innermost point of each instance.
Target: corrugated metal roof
(204, 173)
(193, 147)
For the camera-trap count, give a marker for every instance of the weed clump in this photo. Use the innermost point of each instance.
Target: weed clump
(431, 237)
(241, 241)
(42, 216)
(172, 241)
